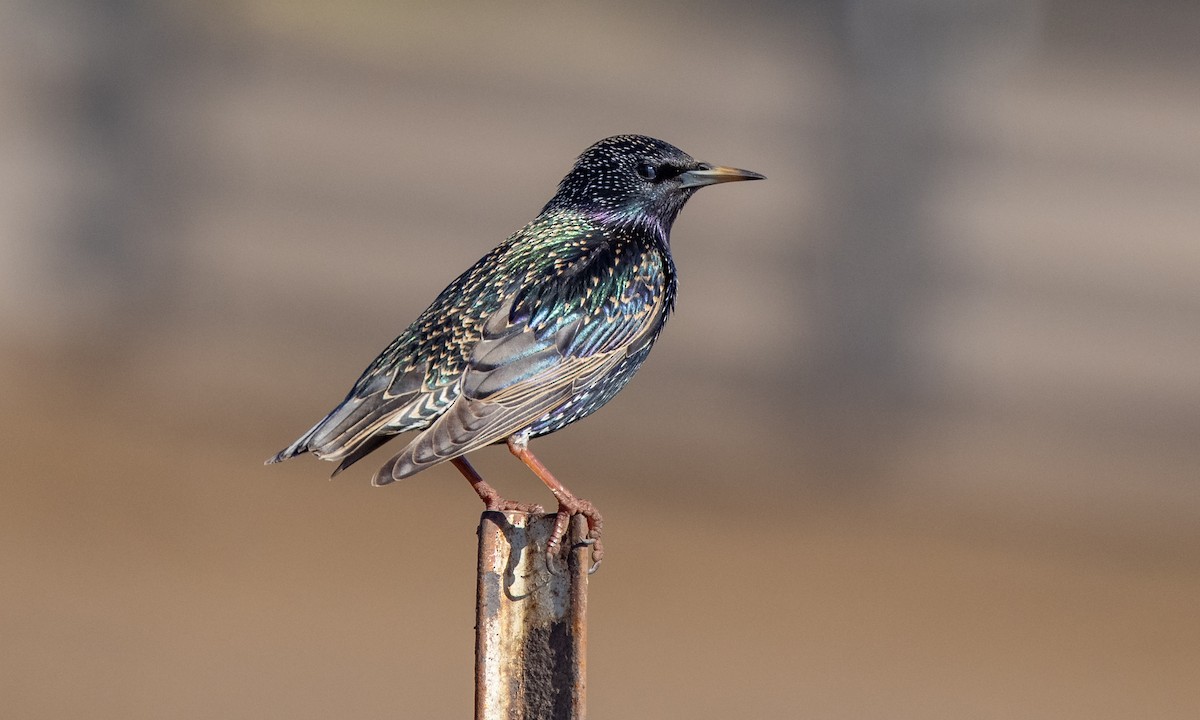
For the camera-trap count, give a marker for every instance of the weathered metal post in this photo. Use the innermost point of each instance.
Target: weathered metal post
(531, 620)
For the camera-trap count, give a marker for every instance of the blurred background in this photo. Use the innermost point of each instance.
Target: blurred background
(921, 440)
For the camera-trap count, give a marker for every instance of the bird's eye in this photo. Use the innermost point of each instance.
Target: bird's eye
(647, 171)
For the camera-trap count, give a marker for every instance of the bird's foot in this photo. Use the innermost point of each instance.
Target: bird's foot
(569, 506)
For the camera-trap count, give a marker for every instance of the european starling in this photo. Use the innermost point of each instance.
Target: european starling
(542, 331)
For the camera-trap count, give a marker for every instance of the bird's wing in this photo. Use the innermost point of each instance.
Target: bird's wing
(411, 382)
(418, 376)
(544, 345)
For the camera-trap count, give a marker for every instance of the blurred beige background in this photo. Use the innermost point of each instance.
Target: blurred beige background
(920, 442)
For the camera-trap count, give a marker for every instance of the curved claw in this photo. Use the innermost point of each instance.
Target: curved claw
(591, 540)
(597, 553)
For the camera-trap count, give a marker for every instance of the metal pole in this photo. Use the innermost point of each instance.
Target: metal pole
(531, 620)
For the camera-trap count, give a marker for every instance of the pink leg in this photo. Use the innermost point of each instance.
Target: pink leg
(568, 504)
(488, 494)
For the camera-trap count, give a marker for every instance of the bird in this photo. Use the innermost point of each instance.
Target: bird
(541, 332)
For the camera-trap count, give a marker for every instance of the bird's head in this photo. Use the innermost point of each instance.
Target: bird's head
(634, 178)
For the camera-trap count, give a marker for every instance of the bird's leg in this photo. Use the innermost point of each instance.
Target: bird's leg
(488, 494)
(568, 504)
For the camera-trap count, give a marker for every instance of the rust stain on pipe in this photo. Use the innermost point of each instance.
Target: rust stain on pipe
(531, 620)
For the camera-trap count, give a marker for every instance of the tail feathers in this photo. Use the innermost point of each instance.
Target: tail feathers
(321, 439)
(297, 448)
(336, 434)
(339, 438)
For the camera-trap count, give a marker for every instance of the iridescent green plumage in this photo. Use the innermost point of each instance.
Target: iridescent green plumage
(540, 332)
